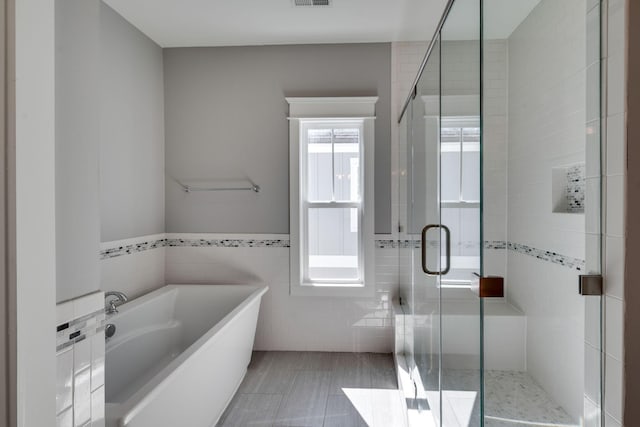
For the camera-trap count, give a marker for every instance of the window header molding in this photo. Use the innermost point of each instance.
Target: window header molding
(332, 107)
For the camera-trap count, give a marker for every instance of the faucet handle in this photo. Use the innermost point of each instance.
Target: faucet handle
(113, 307)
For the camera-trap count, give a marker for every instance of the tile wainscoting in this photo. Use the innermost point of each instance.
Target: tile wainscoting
(80, 354)
(137, 266)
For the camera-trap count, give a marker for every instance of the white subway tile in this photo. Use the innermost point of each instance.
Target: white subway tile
(613, 387)
(64, 379)
(97, 360)
(593, 258)
(616, 27)
(615, 206)
(98, 408)
(593, 322)
(609, 421)
(616, 103)
(593, 35)
(614, 309)
(82, 398)
(64, 312)
(616, 144)
(88, 304)
(593, 149)
(65, 419)
(614, 267)
(82, 355)
(591, 413)
(592, 380)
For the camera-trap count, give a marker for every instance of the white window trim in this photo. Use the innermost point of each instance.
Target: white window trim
(335, 110)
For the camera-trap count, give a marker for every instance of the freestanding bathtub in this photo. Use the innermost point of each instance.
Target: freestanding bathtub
(179, 354)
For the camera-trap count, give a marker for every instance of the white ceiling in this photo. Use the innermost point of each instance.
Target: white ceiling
(179, 23)
(173, 23)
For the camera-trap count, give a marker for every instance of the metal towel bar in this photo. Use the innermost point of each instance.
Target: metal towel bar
(189, 188)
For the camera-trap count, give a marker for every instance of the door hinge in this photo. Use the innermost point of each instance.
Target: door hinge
(590, 284)
(488, 287)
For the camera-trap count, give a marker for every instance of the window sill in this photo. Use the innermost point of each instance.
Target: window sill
(331, 290)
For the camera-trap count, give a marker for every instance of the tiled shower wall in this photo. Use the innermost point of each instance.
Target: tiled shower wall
(546, 130)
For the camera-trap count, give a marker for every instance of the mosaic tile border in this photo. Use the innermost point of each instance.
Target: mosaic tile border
(132, 248)
(544, 255)
(495, 244)
(79, 329)
(228, 243)
(195, 243)
(553, 257)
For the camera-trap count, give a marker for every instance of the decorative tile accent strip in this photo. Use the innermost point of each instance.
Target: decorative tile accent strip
(495, 244)
(541, 254)
(132, 249)
(196, 243)
(576, 188)
(553, 257)
(228, 243)
(79, 329)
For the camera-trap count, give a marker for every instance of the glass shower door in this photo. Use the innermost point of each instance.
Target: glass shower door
(444, 200)
(460, 206)
(423, 229)
(424, 219)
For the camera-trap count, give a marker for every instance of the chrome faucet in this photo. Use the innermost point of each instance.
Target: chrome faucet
(111, 305)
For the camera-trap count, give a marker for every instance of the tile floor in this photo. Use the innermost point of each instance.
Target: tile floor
(317, 389)
(309, 389)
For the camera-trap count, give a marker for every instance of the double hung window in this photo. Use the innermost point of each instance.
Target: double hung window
(331, 156)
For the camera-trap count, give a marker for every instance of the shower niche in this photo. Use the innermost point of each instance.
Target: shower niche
(568, 187)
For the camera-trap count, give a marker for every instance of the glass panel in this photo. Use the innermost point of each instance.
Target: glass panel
(541, 90)
(333, 244)
(450, 164)
(319, 164)
(405, 251)
(424, 210)
(333, 158)
(470, 189)
(347, 164)
(460, 307)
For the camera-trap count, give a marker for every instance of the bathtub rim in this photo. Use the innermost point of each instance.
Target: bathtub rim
(126, 410)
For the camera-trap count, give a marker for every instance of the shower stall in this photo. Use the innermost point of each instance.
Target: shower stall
(500, 254)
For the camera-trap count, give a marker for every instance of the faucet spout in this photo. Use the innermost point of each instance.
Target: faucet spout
(112, 304)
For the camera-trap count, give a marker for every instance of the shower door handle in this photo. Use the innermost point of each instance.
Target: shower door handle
(447, 233)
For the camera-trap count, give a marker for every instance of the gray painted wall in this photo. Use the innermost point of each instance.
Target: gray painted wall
(225, 119)
(77, 123)
(131, 131)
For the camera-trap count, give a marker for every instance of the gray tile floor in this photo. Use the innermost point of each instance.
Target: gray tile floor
(317, 389)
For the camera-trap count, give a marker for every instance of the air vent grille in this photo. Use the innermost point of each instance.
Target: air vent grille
(312, 2)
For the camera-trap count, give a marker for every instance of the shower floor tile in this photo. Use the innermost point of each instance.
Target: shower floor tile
(317, 389)
(514, 398)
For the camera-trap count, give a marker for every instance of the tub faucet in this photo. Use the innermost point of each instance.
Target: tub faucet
(112, 304)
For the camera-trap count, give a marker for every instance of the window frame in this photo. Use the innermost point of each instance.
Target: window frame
(303, 112)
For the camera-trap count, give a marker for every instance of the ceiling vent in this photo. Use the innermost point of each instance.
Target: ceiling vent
(312, 2)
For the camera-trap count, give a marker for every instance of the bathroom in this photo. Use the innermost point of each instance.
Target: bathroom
(180, 160)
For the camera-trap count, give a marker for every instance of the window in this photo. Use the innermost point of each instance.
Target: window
(331, 187)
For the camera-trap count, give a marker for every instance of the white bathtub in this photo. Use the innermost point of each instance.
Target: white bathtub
(179, 354)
